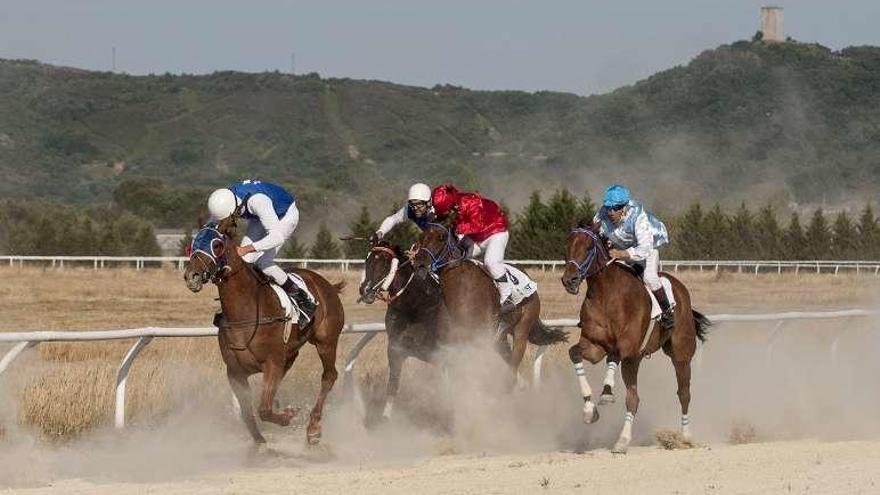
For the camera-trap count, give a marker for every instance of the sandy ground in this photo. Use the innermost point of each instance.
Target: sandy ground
(774, 412)
(784, 467)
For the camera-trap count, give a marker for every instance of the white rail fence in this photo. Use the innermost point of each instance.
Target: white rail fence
(143, 336)
(741, 266)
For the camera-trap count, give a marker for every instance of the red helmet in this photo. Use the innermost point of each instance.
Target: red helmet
(444, 198)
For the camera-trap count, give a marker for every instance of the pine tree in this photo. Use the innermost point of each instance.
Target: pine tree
(563, 212)
(586, 209)
(818, 237)
(362, 227)
(742, 234)
(716, 231)
(527, 229)
(325, 247)
(793, 242)
(690, 236)
(294, 249)
(869, 235)
(768, 235)
(844, 238)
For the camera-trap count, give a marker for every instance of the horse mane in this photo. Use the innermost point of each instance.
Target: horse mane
(398, 251)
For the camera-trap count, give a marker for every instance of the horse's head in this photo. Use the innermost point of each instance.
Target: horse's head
(436, 248)
(585, 256)
(380, 269)
(207, 256)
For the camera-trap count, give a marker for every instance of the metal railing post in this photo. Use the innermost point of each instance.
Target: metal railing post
(122, 376)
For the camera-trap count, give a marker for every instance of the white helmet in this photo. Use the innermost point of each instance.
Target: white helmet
(420, 192)
(222, 203)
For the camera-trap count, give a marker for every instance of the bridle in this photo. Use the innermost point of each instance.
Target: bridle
(589, 266)
(380, 288)
(447, 254)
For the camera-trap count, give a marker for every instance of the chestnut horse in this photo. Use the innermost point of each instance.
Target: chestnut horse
(472, 300)
(255, 336)
(614, 320)
(415, 321)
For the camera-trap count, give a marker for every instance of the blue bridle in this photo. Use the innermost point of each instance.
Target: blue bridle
(212, 243)
(592, 256)
(437, 261)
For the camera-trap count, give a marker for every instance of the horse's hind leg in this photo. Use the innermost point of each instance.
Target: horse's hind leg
(327, 353)
(683, 376)
(273, 372)
(630, 372)
(242, 391)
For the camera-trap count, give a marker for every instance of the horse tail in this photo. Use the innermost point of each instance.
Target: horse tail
(541, 334)
(339, 286)
(702, 324)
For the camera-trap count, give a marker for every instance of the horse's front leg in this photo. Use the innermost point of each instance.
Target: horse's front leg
(396, 357)
(612, 362)
(273, 372)
(242, 390)
(585, 349)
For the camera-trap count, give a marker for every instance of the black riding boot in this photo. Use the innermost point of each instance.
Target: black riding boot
(300, 297)
(667, 317)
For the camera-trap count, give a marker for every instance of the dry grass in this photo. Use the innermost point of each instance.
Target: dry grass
(64, 389)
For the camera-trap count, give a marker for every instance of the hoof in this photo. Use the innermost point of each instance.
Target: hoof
(261, 448)
(313, 438)
(606, 399)
(619, 449)
(590, 419)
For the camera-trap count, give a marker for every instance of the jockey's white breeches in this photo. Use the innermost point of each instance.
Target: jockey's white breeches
(265, 260)
(492, 251)
(651, 275)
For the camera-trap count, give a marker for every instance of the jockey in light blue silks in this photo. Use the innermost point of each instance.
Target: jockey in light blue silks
(635, 235)
(272, 217)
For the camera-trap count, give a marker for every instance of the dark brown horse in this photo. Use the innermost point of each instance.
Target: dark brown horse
(472, 300)
(254, 334)
(416, 320)
(614, 320)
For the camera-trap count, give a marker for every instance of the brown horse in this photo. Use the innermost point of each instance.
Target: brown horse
(254, 334)
(472, 301)
(614, 320)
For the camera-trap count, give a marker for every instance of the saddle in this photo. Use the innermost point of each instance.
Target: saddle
(239, 334)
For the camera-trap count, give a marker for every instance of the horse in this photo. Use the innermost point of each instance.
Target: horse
(472, 301)
(615, 319)
(254, 334)
(416, 319)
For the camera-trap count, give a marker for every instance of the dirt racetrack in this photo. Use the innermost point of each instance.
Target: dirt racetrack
(780, 418)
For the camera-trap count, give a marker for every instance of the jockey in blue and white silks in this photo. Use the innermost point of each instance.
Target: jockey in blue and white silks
(272, 217)
(635, 236)
(417, 209)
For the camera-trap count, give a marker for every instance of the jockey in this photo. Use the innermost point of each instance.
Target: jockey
(482, 227)
(418, 209)
(272, 217)
(635, 235)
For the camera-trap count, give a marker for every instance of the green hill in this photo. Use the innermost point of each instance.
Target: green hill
(791, 124)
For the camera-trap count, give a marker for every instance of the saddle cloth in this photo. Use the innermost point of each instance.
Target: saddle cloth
(523, 286)
(655, 306)
(289, 305)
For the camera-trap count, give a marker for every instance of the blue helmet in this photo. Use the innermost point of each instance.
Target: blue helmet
(615, 195)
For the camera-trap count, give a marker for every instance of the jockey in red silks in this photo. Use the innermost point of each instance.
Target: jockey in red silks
(482, 227)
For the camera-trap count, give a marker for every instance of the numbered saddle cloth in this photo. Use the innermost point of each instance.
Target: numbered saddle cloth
(523, 286)
(655, 306)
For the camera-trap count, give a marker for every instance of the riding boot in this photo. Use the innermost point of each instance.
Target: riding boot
(300, 298)
(505, 289)
(667, 317)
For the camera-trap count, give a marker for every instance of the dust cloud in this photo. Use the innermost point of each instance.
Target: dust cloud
(801, 380)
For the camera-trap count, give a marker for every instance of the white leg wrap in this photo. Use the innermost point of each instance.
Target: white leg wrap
(609, 374)
(389, 405)
(581, 373)
(625, 433)
(686, 426)
(586, 392)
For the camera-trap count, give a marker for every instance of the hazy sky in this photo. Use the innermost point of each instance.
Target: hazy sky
(577, 46)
